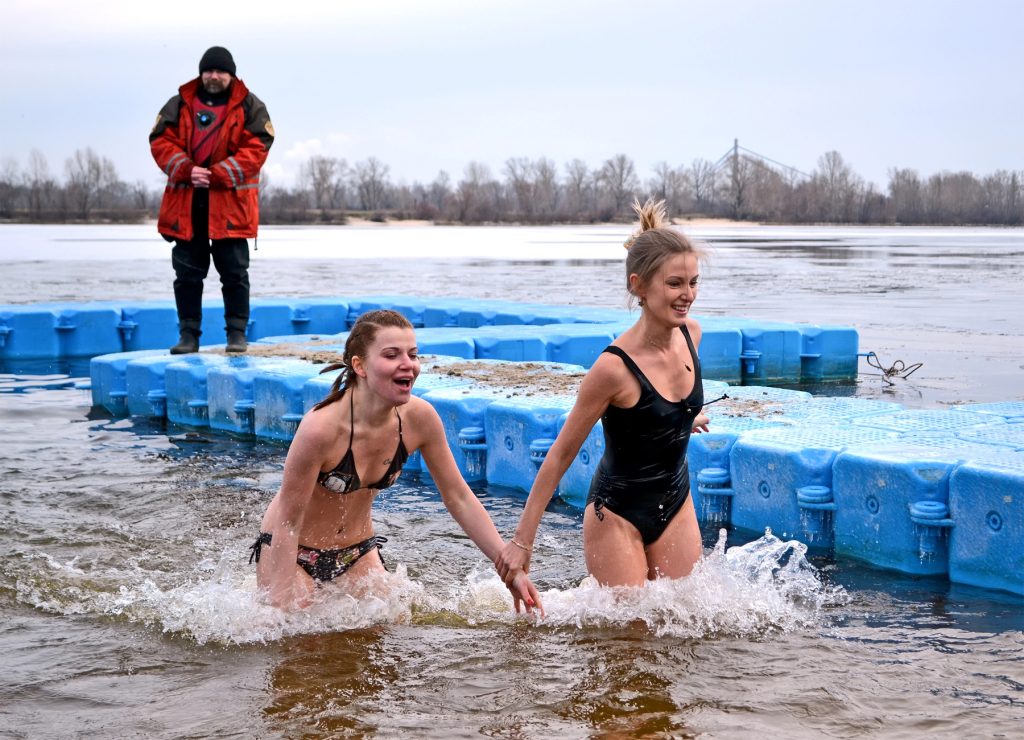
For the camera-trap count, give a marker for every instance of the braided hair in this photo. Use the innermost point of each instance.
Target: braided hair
(360, 337)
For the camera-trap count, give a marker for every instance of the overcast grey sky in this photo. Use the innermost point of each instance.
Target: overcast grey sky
(426, 85)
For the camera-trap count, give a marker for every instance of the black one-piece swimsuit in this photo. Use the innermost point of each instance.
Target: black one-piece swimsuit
(643, 476)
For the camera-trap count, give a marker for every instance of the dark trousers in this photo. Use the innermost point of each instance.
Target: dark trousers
(191, 260)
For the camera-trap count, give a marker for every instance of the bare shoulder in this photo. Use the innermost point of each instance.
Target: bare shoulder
(318, 430)
(607, 367)
(606, 379)
(420, 422)
(693, 326)
(417, 410)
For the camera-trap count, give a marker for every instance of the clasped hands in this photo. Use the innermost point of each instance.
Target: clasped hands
(200, 177)
(513, 565)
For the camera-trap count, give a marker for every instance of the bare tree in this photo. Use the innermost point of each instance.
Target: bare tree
(546, 191)
(372, 184)
(1002, 198)
(839, 187)
(767, 192)
(475, 195)
(737, 185)
(619, 181)
(41, 186)
(742, 185)
(141, 195)
(954, 198)
(324, 176)
(906, 199)
(519, 176)
(281, 205)
(670, 185)
(704, 181)
(440, 191)
(91, 178)
(9, 185)
(578, 189)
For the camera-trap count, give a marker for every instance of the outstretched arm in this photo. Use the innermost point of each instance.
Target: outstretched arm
(595, 394)
(465, 507)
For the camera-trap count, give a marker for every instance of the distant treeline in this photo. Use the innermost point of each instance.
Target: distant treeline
(739, 186)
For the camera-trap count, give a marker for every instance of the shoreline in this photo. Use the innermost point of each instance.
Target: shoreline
(696, 222)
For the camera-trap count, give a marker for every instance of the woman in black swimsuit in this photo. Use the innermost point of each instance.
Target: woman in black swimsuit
(347, 448)
(639, 523)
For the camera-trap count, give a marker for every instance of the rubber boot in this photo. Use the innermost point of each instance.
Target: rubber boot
(188, 339)
(236, 340)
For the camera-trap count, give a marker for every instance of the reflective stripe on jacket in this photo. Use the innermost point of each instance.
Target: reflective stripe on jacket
(239, 154)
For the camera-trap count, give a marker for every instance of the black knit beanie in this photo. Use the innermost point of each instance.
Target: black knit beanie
(217, 57)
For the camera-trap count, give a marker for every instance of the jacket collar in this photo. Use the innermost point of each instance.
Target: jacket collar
(190, 90)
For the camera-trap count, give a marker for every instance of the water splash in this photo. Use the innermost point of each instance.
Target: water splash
(229, 608)
(762, 587)
(766, 585)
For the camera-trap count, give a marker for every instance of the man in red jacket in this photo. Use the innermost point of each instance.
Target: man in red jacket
(211, 139)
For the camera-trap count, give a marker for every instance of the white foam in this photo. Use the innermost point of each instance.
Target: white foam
(764, 586)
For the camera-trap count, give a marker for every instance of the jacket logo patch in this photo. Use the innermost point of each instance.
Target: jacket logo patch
(269, 128)
(155, 124)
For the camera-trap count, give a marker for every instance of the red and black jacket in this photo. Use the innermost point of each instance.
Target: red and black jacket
(238, 155)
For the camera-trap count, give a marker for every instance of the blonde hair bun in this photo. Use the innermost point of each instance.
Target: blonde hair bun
(652, 214)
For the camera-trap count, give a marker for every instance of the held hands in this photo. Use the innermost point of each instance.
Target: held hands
(524, 593)
(512, 565)
(700, 424)
(200, 177)
(513, 557)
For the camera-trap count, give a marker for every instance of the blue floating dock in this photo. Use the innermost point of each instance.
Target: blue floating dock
(1001, 435)
(712, 451)
(278, 397)
(986, 503)
(144, 381)
(148, 325)
(462, 411)
(927, 422)
(732, 350)
(828, 353)
(185, 382)
(519, 431)
(50, 330)
(769, 467)
(1008, 410)
(892, 502)
(108, 379)
(840, 411)
(927, 492)
(231, 393)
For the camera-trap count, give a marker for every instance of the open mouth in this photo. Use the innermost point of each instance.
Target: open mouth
(405, 383)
